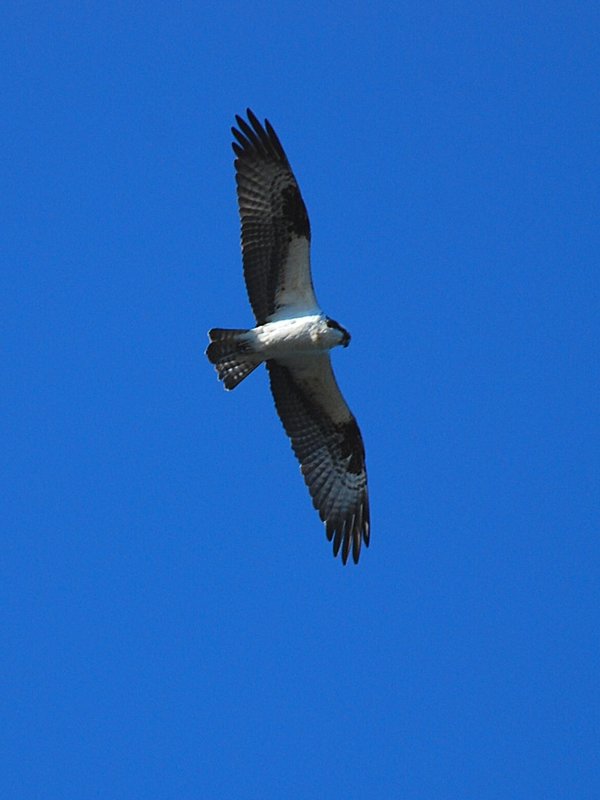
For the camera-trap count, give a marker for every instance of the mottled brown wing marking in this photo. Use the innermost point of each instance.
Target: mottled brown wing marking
(353, 447)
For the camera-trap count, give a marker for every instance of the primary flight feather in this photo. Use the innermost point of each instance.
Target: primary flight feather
(293, 337)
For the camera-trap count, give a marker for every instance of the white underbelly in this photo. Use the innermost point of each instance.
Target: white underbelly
(287, 337)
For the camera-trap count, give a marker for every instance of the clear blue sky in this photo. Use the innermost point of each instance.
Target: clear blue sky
(173, 622)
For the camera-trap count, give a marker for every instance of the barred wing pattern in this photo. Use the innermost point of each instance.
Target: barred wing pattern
(328, 445)
(275, 226)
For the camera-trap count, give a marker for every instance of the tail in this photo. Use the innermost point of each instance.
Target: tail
(231, 354)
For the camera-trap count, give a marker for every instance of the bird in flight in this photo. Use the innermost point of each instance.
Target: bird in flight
(293, 337)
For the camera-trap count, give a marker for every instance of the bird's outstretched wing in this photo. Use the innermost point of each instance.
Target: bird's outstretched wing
(328, 445)
(275, 226)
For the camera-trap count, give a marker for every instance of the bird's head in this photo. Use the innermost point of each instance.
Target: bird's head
(331, 323)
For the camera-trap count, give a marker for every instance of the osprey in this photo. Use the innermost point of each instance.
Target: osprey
(293, 337)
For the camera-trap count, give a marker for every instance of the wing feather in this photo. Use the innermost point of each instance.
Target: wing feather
(328, 445)
(275, 225)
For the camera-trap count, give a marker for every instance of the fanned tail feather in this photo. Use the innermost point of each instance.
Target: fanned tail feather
(230, 353)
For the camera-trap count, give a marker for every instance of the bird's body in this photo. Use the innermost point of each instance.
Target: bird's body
(286, 338)
(293, 337)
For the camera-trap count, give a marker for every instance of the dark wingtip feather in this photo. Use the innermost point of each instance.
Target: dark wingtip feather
(356, 536)
(239, 136)
(275, 141)
(254, 121)
(337, 539)
(329, 530)
(347, 540)
(245, 128)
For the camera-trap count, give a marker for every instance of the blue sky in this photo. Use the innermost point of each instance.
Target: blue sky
(173, 622)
